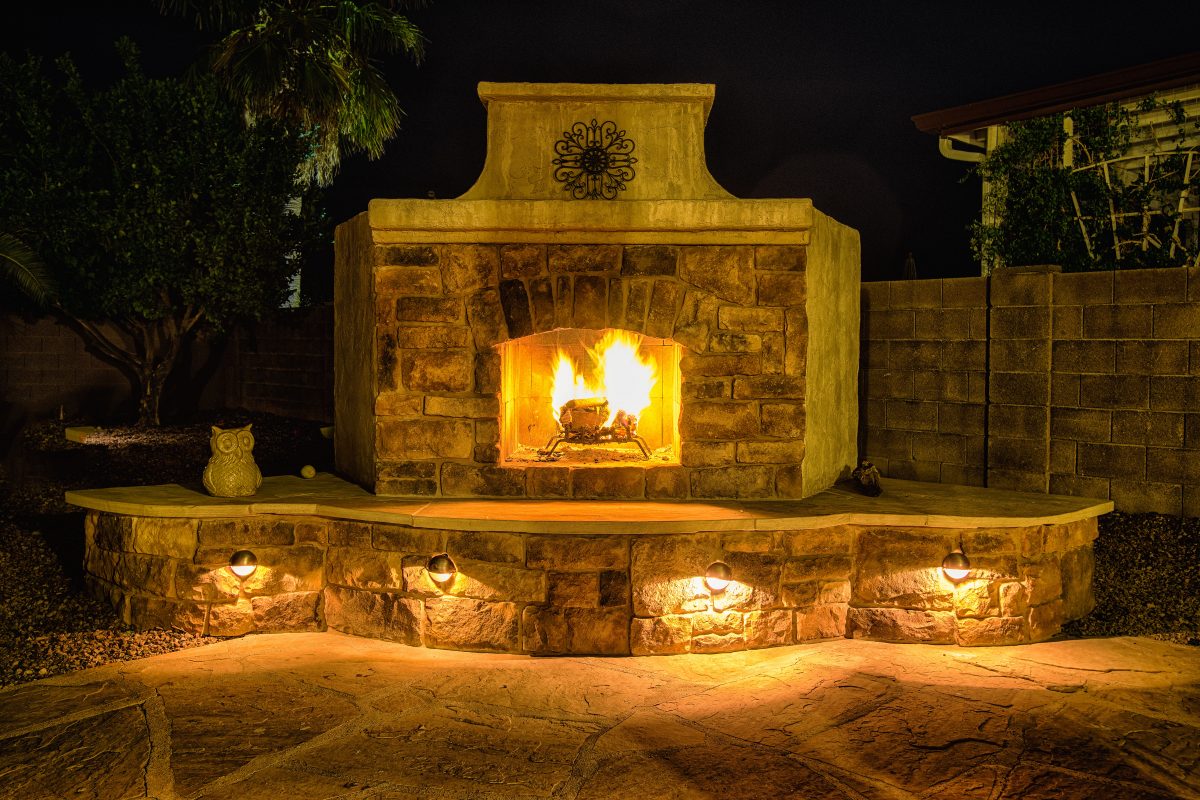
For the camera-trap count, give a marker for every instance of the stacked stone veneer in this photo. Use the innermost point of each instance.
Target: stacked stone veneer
(440, 310)
(596, 594)
(165, 572)
(1083, 384)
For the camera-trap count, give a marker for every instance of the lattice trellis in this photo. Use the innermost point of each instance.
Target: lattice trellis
(1144, 170)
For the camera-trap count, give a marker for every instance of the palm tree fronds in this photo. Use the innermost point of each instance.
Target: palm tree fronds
(21, 266)
(311, 64)
(214, 13)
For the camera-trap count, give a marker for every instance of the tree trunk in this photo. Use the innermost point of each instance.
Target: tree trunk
(161, 341)
(150, 386)
(145, 350)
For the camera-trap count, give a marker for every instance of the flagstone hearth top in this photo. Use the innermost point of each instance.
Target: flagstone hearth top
(907, 503)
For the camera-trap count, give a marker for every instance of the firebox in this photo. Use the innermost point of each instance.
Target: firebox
(573, 396)
(596, 318)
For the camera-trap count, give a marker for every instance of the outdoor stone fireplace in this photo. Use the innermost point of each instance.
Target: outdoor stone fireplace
(598, 406)
(450, 313)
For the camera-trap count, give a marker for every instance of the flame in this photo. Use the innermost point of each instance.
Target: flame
(620, 374)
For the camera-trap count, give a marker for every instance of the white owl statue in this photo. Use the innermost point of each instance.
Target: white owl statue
(231, 472)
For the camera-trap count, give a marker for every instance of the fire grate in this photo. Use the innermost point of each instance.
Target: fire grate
(581, 421)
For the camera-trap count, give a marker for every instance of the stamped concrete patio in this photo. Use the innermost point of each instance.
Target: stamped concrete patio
(323, 715)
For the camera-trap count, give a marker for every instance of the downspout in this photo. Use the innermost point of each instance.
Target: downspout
(948, 150)
(975, 154)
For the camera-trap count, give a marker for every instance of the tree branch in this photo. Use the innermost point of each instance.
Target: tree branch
(191, 316)
(109, 349)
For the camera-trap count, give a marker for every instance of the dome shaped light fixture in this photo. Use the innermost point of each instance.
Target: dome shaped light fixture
(717, 576)
(441, 568)
(956, 565)
(243, 563)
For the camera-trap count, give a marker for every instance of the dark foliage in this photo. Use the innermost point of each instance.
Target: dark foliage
(1114, 203)
(155, 209)
(313, 66)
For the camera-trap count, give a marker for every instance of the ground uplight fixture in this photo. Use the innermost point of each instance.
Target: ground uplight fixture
(717, 576)
(243, 563)
(441, 568)
(956, 565)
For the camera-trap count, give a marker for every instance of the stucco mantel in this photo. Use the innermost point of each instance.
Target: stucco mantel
(732, 221)
(672, 199)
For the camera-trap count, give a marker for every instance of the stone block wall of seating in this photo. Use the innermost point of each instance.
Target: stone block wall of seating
(603, 594)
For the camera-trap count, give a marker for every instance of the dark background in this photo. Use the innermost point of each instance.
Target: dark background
(813, 99)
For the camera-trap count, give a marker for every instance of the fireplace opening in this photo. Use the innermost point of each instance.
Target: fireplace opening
(577, 396)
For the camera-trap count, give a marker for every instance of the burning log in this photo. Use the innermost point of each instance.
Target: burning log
(602, 409)
(583, 417)
(624, 427)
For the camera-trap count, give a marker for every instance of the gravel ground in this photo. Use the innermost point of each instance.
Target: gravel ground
(48, 625)
(1147, 579)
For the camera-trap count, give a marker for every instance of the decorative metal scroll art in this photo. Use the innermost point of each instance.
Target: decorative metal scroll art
(594, 161)
(582, 422)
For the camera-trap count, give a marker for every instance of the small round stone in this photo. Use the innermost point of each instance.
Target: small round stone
(308, 471)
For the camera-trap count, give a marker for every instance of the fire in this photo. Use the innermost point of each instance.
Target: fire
(619, 374)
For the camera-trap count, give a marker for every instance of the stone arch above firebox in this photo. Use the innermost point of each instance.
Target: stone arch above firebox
(666, 291)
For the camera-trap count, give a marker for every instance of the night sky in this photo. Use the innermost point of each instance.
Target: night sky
(813, 99)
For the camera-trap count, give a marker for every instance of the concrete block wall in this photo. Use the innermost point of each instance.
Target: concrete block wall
(923, 379)
(1125, 405)
(44, 368)
(1089, 384)
(1017, 414)
(282, 364)
(43, 365)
